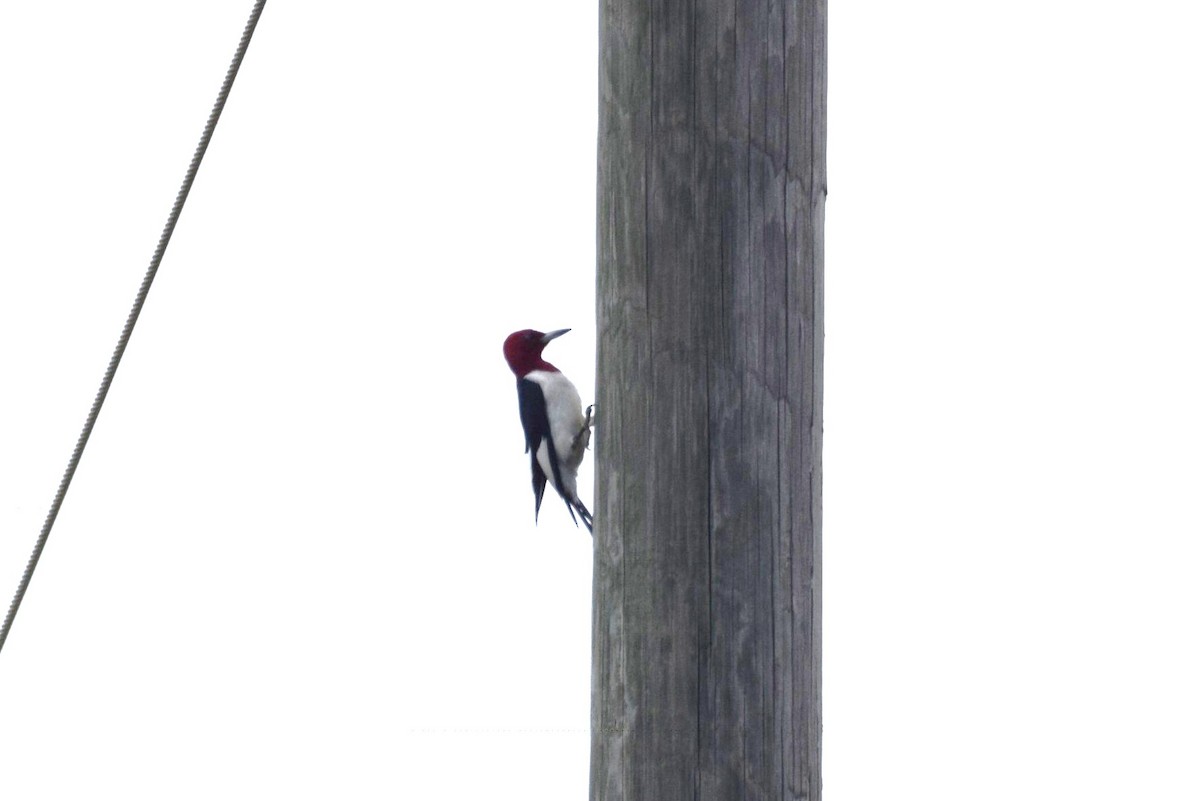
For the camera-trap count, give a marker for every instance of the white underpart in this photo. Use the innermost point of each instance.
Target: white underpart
(565, 411)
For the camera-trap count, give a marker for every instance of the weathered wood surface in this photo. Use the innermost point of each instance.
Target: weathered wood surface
(706, 679)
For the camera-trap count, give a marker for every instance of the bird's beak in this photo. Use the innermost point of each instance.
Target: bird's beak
(554, 335)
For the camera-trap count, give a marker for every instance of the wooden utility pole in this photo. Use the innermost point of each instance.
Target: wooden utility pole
(706, 672)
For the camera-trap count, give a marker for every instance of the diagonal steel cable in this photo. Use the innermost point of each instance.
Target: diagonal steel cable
(138, 302)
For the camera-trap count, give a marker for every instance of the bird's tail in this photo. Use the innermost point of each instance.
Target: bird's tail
(575, 506)
(584, 514)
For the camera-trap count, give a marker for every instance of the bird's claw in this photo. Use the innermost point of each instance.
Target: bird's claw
(585, 433)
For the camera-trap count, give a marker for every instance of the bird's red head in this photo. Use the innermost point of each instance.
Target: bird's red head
(523, 350)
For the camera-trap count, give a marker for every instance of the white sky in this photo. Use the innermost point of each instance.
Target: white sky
(298, 559)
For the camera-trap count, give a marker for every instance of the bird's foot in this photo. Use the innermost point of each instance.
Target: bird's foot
(585, 434)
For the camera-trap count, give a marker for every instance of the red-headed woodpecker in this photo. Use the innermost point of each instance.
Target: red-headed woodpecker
(556, 430)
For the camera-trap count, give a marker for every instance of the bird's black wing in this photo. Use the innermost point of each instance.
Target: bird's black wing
(536, 423)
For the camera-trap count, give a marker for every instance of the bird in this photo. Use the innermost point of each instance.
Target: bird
(557, 430)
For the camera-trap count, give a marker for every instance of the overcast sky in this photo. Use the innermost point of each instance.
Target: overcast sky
(299, 559)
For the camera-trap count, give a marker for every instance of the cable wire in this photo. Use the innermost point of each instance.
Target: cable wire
(138, 302)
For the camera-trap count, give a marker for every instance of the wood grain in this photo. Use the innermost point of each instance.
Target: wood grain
(707, 581)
